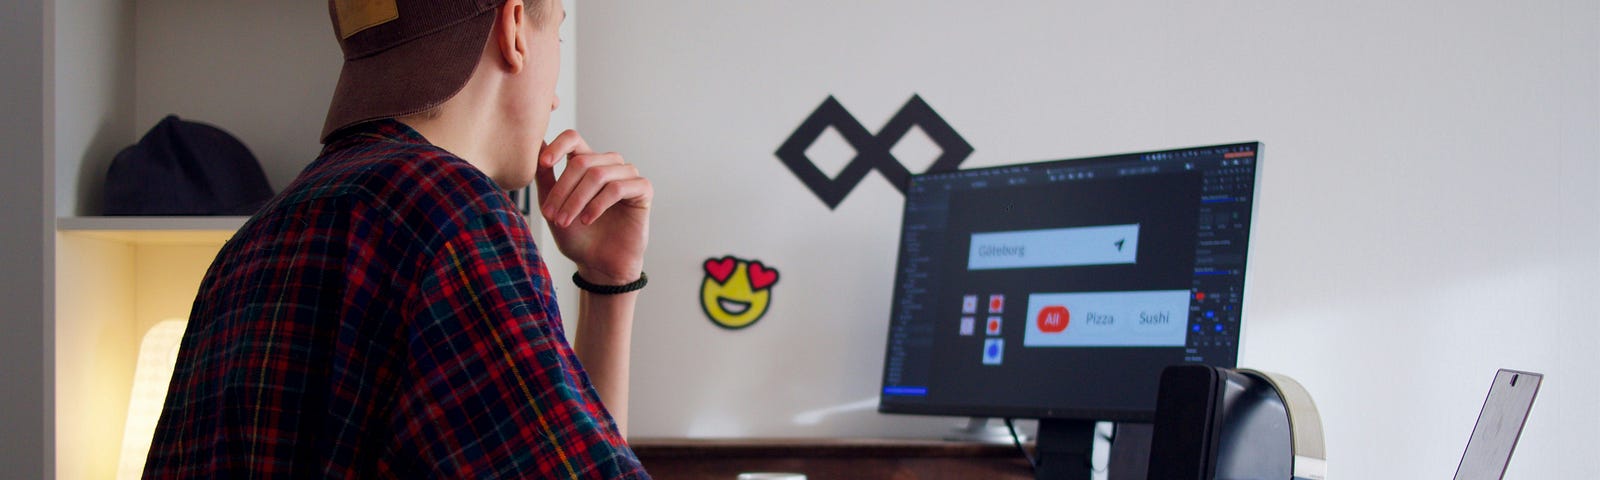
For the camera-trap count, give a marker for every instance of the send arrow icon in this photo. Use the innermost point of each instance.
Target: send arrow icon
(1120, 242)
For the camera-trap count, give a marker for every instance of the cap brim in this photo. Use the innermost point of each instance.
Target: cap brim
(409, 78)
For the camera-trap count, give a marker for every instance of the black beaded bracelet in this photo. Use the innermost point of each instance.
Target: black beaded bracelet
(610, 289)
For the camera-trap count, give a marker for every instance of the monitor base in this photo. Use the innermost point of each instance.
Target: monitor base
(979, 430)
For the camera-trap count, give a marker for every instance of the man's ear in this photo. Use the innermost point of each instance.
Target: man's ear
(507, 34)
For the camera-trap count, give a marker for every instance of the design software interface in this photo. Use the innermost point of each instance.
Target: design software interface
(1068, 285)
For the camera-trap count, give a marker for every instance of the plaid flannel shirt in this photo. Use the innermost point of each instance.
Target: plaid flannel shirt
(387, 316)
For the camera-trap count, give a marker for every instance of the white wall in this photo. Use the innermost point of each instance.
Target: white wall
(1429, 209)
(263, 71)
(564, 118)
(94, 112)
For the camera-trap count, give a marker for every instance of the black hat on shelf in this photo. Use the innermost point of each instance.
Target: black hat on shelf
(185, 168)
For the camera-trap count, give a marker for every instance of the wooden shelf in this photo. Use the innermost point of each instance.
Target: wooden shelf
(194, 230)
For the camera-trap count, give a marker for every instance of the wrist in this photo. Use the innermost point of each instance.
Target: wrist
(600, 277)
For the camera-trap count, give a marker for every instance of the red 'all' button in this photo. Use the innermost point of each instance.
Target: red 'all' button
(1054, 319)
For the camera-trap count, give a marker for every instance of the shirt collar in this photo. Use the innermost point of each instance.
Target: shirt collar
(383, 129)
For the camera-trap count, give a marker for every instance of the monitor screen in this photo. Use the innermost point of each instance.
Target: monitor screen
(1061, 289)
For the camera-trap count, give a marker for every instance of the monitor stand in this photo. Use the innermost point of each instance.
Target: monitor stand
(1066, 449)
(979, 430)
(1130, 452)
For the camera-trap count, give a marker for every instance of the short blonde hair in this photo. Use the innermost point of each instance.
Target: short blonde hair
(535, 11)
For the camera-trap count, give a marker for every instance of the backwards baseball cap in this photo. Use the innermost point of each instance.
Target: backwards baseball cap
(404, 56)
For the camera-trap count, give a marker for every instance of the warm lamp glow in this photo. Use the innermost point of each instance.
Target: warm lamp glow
(157, 355)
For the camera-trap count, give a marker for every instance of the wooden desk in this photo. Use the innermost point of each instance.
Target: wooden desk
(829, 458)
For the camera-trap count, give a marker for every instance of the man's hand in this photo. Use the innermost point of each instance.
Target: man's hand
(598, 209)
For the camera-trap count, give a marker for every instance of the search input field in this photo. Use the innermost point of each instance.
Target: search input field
(1058, 247)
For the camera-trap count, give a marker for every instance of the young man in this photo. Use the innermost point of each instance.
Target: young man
(387, 315)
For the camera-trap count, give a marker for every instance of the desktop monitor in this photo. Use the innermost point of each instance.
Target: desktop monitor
(1059, 290)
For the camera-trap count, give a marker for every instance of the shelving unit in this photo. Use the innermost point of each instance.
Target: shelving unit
(264, 72)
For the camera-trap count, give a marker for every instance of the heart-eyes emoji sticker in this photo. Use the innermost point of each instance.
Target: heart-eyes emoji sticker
(736, 292)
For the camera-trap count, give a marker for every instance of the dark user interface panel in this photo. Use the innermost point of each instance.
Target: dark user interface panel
(1061, 289)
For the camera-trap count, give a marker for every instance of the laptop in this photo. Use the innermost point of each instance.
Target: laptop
(1499, 424)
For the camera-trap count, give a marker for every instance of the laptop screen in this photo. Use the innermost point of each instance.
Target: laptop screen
(1499, 425)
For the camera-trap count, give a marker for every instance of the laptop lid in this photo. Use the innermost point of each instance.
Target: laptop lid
(1499, 424)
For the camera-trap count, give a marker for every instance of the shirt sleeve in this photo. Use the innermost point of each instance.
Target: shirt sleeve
(498, 392)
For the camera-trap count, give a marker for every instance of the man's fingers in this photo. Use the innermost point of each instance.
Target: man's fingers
(567, 143)
(543, 178)
(576, 162)
(593, 180)
(556, 197)
(579, 184)
(636, 191)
